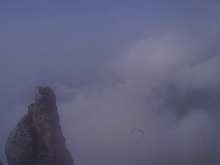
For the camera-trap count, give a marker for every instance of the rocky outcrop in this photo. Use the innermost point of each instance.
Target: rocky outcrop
(37, 139)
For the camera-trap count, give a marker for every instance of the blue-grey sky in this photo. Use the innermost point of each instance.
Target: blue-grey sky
(116, 66)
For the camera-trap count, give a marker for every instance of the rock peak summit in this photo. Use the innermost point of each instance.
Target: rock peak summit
(37, 139)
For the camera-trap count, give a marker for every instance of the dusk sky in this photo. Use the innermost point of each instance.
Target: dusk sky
(116, 66)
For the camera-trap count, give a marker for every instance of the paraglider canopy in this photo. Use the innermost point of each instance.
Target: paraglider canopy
(139, 130)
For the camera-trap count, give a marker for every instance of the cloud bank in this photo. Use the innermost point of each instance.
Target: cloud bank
(159, 85)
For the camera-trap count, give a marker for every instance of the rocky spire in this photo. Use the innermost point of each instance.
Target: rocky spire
(37, 139)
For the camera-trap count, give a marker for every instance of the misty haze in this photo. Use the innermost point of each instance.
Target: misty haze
(136, 82)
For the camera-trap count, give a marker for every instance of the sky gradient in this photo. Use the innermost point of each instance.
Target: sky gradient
(116, 66)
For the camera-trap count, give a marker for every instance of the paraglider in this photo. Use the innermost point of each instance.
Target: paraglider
(139, 130)
(138, 136)
(202, 134)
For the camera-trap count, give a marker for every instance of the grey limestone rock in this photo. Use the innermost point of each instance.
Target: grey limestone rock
(37, 139)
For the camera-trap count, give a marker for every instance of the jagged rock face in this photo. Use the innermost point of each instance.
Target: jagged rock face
(37, 139)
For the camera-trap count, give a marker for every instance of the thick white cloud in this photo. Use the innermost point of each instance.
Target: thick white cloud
(98, 129)
(98, 123)
(156, 60)
(168, 58)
